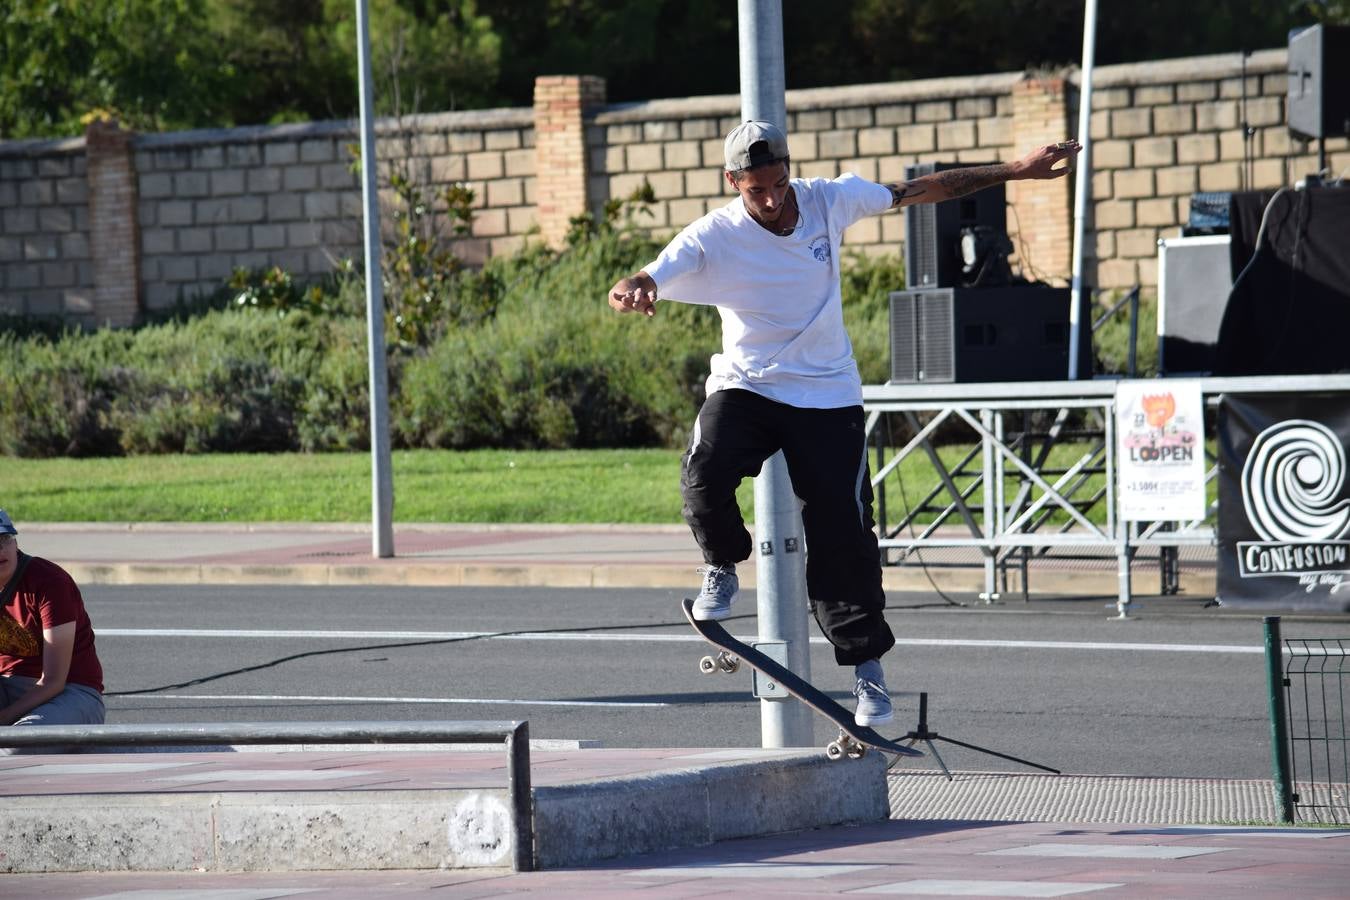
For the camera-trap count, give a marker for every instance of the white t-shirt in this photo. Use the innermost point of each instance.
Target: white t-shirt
(782, 315)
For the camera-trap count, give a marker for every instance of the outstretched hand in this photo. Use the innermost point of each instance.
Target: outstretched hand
(1041, 162)
(634, 294)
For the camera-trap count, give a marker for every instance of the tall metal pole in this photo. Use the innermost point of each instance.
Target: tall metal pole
(381, 474)
(780, 564)
(1082, 186)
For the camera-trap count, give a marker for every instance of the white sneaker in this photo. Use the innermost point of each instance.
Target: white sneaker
(720, 589)
(874, 703)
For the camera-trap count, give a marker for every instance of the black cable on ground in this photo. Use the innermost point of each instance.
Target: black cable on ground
(332, 650)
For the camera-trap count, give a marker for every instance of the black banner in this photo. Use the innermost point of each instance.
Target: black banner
(1284, 502)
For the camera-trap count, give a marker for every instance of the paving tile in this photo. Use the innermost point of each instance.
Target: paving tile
(1117, 851)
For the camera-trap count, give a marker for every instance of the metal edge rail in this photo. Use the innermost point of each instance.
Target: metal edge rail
(514, 734)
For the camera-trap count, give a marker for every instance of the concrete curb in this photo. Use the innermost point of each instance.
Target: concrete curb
(257, 831)
(723, 796)
(564, 575)
(582, 823)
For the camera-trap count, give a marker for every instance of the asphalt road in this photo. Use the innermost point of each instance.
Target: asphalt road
(1167, 694)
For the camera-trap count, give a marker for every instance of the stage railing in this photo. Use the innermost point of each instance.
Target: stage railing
(1063, 508)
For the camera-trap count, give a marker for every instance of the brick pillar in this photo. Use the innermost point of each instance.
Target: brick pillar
(560, 106)
(114, 237)
(1044, 209)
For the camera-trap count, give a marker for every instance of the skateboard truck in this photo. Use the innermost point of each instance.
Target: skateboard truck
(922, 733)
(845, 745)
(722, 662)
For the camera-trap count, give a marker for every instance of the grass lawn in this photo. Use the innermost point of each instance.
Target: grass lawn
(481, 486)
(623, 486)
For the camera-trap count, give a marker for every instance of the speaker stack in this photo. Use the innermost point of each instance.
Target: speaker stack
(961, 319)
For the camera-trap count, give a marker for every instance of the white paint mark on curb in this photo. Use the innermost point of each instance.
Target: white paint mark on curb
(480, 831)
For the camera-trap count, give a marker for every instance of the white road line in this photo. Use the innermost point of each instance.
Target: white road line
(635, 637)
(317, 698)
(931, 887)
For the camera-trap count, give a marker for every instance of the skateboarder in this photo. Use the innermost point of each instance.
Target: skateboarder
(786, 379)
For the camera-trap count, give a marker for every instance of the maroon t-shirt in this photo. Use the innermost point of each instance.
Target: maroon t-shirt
(47, 597)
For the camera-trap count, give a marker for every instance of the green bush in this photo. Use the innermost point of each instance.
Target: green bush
(542, 363)
(866, 282)
(1111, 342)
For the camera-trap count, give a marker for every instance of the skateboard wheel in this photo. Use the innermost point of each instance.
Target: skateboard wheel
(707, 665)
(834, 750)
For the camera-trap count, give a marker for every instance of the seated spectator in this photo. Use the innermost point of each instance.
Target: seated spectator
(49, 670)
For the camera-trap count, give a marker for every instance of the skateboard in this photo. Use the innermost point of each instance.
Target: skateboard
(853, 739)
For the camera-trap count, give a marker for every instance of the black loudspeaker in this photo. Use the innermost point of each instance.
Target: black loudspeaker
(1194, 279)
(1319, 82)
(933, 231)
(976, 335)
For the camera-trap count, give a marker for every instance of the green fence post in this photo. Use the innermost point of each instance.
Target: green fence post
(1279, 723)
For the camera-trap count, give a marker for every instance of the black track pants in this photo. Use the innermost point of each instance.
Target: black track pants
(826, 454)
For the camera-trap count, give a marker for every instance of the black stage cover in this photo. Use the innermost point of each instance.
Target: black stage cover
(1290, 315)
(1284, 502)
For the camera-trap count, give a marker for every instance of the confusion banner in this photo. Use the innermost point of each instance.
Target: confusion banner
(1284, 502)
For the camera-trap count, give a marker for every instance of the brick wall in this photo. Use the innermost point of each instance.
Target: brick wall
(45, 262)
(213, 201)
(210, 201)
(1163, 131)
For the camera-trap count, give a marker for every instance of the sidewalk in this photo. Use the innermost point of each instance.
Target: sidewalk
(498, 555)
(684, 824)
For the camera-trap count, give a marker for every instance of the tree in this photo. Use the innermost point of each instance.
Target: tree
(148, 63)
(167, 64)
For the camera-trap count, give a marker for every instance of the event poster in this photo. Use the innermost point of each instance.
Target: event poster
(1284, 501)
(1160, 440)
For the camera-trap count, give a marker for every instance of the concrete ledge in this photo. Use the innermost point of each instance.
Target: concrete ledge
(707, 797)
(257, 831)
(581, 823)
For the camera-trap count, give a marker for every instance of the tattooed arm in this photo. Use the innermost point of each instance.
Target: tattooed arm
(952, 183)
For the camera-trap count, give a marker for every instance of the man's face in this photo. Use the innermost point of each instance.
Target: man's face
(764, 191)
(9, 555)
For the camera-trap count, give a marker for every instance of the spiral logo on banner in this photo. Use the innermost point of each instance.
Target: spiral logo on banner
(1293, 474)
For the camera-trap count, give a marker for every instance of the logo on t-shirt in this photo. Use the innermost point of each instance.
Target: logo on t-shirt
(15, 640)
(820, 249)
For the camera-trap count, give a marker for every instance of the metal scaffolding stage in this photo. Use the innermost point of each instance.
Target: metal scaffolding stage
(1004, 488)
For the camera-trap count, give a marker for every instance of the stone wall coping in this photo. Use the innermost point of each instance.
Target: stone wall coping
(1194, 68)
(809, 99)
(1171, 71)
(470, 120)
(41, 146)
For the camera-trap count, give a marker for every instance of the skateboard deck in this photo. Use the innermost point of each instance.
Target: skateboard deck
(853, 738)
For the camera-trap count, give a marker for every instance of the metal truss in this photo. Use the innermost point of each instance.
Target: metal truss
(1006, 498)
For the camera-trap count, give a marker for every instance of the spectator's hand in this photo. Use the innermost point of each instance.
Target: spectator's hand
(634, 294)
(1041, 162)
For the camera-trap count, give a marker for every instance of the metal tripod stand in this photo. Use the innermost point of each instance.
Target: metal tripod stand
(922, 733)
